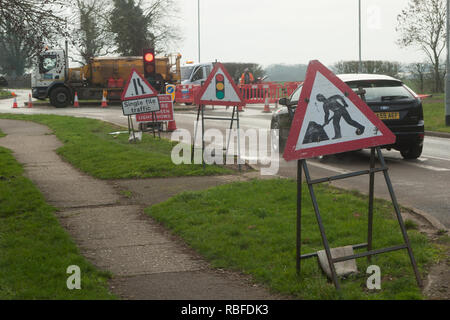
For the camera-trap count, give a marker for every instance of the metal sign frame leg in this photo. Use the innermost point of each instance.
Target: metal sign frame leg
(321, 227)
(299, 216)
(229, 134)
(129, 127)
(371, 197)
(195, 134)
(203, 137)
(155, 124)
(399, 218)
(239, 142)
(130, 121)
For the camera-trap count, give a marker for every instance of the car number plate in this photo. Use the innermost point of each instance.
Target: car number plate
(388, 115)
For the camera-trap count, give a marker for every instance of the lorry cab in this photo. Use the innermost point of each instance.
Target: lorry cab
(49, 71)
(195, 73)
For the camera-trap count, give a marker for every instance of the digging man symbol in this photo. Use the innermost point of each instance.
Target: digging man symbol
(338, 105)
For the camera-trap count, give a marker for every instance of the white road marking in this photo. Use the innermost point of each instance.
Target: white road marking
(330, 168)
(419, 165)
(436, 158)
(428, 167)
(343, 171)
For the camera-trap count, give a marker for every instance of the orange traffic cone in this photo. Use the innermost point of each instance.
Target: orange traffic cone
(75, 101)
(104, 103)
(30, 103)
(15, 100)
(171, 126)
(266, 104)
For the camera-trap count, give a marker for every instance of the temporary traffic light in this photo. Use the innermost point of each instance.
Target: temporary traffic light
(149, 63)
(220, 86)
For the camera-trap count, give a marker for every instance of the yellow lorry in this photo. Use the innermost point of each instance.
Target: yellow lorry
(51, 78)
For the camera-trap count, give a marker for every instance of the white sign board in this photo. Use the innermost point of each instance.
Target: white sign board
(130, 107)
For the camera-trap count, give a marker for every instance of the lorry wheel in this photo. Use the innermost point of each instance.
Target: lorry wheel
(60, 97)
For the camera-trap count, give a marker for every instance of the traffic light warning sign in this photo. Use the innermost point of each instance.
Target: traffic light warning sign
(220, 89)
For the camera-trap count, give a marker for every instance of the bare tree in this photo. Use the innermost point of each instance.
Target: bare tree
(390, 68)
(419, 71)
(36, 22)
(423, 24)
(161, 15)
(91, 34)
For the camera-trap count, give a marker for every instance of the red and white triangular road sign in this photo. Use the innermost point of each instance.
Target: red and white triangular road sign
(137, 87)
(220, 89)
(331, 118)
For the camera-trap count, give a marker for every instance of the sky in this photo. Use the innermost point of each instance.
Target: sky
(291, 31)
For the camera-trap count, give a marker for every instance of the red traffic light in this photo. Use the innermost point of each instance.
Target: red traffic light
(149, 57)
(149, 60)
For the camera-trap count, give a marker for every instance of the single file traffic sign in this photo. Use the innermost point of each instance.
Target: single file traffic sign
(331, 118)
(139, 96)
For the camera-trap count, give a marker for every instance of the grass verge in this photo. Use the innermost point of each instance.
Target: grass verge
(89, 147)
(5, 94)
(35, 251)
(250, 227)
(434, 113)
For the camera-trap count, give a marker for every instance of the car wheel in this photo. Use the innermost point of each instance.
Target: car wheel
(59, 97)
(412, 153)
(188, 103)
(276, 141)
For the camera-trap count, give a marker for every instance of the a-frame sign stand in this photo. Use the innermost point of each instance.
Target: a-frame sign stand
(218, 89)
(321, 93)
(302, 166)
(138, 97)
(155, 124)
(131, 128)
(233, 119)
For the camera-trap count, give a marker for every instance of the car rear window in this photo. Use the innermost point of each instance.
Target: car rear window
(382, 90)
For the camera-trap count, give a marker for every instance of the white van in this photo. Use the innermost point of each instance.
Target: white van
(196, 73)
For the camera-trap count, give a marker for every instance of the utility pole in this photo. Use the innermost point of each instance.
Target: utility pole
(447, 75)
(198, 28)
(359, 18)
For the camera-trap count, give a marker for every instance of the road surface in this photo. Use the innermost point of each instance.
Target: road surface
(421, 184)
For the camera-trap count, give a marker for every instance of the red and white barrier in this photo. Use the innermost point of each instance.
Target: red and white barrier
(185, 93)
(261, 93)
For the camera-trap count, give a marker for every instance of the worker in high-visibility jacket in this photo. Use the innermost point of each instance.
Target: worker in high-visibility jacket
(246, 77)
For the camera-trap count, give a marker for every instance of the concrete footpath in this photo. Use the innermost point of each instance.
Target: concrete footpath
(112, 232)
